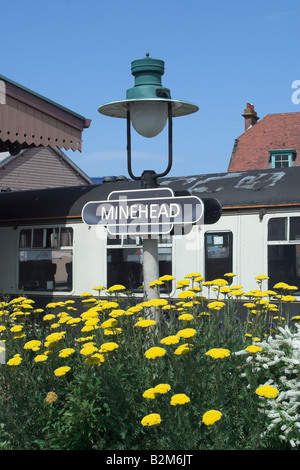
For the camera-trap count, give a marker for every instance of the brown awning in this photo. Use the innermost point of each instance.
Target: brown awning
(30, 119)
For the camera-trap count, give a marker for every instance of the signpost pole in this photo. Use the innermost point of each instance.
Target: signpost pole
(150, 269)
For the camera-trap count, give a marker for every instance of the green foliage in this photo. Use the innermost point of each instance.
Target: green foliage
(73, 381)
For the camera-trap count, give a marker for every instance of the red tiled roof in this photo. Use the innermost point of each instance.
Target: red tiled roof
(273, 132)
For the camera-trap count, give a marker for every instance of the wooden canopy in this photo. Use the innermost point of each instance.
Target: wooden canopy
(30, 120)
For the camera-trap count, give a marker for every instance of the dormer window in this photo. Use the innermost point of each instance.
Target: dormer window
(282, 158)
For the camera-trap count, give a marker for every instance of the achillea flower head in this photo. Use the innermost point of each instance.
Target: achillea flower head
(186, 294)
(210, 417)
(161, 389)
(34, 345)
(111, 323)
(106, 347)
(179, 399)
(15, 360)
(267, 391)
(218, 353)
(116, 288)
(66, 352)
(51, 397)
(172, 339)
(150, 393)
(144, 323)
(151, 419)
(62, 371)
(166, 277)
(187, 333)
(186, 317)
(155, 352)
(41, 358)
(253, 348)
(183, 349)
(217, 305)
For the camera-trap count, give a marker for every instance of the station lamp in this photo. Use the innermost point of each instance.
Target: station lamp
(148, 107)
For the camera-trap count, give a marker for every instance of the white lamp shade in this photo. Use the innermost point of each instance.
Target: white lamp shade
(148, 117)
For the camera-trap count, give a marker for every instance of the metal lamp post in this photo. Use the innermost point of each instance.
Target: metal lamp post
(148, 107)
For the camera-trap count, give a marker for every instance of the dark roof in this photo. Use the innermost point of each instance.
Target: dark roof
(251, 189)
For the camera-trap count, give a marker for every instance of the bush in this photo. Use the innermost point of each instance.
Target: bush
(108, 376)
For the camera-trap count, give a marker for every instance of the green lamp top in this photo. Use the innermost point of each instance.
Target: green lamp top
(147, 73)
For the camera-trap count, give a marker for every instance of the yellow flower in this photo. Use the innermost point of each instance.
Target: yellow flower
(217, 305)
(95, 359)
(66, 352)
(116, 288)
(15, 361)
(179, 399)
(155, 303)
(210, 417)
(219, 282)
(88, 349)
(253, 348)
(49, 316)
(154, 352)
(166, 277)
(16, 328)
(267, 391)
(111, 323)
(192, 275)
(218, 353)
(62, 371)
(186, 294)
(112, 331)
(155, 283)
(172, 339)
(105, 347)
(99, 288)
(116, 313)
(183, 349)
(150, 393)
(51, 397)
(161, 389)
(41, 358)
(187, 333)
(151, 419)
(143, 323)
(186, 317)
(230, 275)
(34, 345)
(261, 277)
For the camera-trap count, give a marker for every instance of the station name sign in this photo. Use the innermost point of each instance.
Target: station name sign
(143, 212)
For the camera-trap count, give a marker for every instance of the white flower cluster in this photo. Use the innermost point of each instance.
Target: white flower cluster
(280, 359)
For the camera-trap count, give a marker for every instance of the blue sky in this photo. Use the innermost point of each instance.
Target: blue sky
(219, 55)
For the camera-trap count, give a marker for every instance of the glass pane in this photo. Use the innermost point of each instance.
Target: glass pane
(218, 254)
(25, 238)
(38, 237)
(125, 266)
(284, 264)
(295, 228)
(45, 270)
(277, 229)
(66, 237)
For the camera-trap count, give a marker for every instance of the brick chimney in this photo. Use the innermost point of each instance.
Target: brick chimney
(250, 116)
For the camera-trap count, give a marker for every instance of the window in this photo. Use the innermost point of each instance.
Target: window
(284, 251)
(282, 158)
(45, 259)
(218, 254)
(125, 258)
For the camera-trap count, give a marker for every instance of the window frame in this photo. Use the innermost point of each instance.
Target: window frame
(275, 154)
(138, 244)
(287, 241)
(55, 245)
(230, 254)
